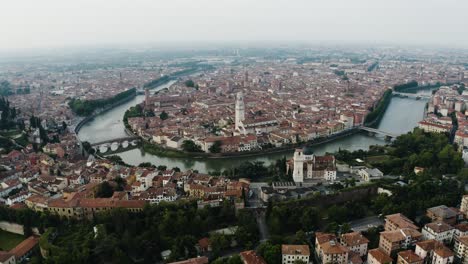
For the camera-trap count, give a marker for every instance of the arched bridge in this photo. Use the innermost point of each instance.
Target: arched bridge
(411, 95)
(116, 144)
(377, 131)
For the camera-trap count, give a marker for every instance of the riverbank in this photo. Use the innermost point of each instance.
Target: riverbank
(373, 118)
(416, 88)
(104, 110)
(156, 149)
(114, 105)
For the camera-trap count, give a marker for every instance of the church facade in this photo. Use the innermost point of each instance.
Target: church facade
(307, 166)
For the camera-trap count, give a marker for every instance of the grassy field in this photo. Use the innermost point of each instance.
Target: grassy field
(379, 158)
(9, 240)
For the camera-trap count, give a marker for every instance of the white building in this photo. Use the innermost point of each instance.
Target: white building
(460, 230)
(464, 205)
(370, 174)
(429, 126)
(9, 185)
(291, 253)
(175, 142)
(465, 155)
(307, 166)
(461, 249)
(17, 198)
(347, 119)
(439, 231)
(355, 242)
(334, 252)
(7, 258)
(443, 255)
(157, 195)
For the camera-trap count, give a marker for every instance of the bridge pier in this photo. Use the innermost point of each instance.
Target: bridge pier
(116, 145)
(374, 131)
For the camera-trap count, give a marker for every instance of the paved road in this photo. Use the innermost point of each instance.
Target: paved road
(262, 227)
(366, 223)
(254, 201)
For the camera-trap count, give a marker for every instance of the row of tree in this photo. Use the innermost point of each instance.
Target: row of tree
(8, 115)
(123, 237)
(87, 107)
(376, 114)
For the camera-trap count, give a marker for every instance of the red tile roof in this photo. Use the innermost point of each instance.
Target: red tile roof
(24, 247)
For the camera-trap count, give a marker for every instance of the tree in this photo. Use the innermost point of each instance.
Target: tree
(121, 182)
(270, 252)
(104, 190)
(145, 165)
(310, 218)
(190, 146)
(216, 147)
(163, 115)
(219, 242)
(64, 126)
(189, 83)
(5, 88)
(87, 147)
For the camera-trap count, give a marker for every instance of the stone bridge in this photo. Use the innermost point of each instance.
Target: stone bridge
(411, 95)
(377, 131)
(116, 144)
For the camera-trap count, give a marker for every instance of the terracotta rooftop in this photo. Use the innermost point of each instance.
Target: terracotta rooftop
(429, 245)
(24, 247)
(250, 257)
(380, 256)
(354, 258)
(333, 247)
(409, 256)
(4, 256)
(439, 227)
(295, 250)
(443, 211)
(324, 237)
(443, 252)
(401, 221)
(411, 232)
(462, 227)
(463, 240)
(354, 239)
(393, 236)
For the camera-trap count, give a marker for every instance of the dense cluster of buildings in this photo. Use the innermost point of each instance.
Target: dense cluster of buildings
(50, 87)
(444, 103)
(447, 113)
(272, 104)
(442, 241)
(61, 181)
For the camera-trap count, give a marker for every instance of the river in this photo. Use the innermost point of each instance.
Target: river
(402, 115)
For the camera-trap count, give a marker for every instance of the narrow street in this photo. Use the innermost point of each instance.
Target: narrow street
(262, 226)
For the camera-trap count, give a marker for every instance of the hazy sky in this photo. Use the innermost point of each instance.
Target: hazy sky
(32, 24)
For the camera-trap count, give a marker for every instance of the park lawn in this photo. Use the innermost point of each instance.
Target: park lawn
(11, 133)
(380, 158)
(9, 240)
